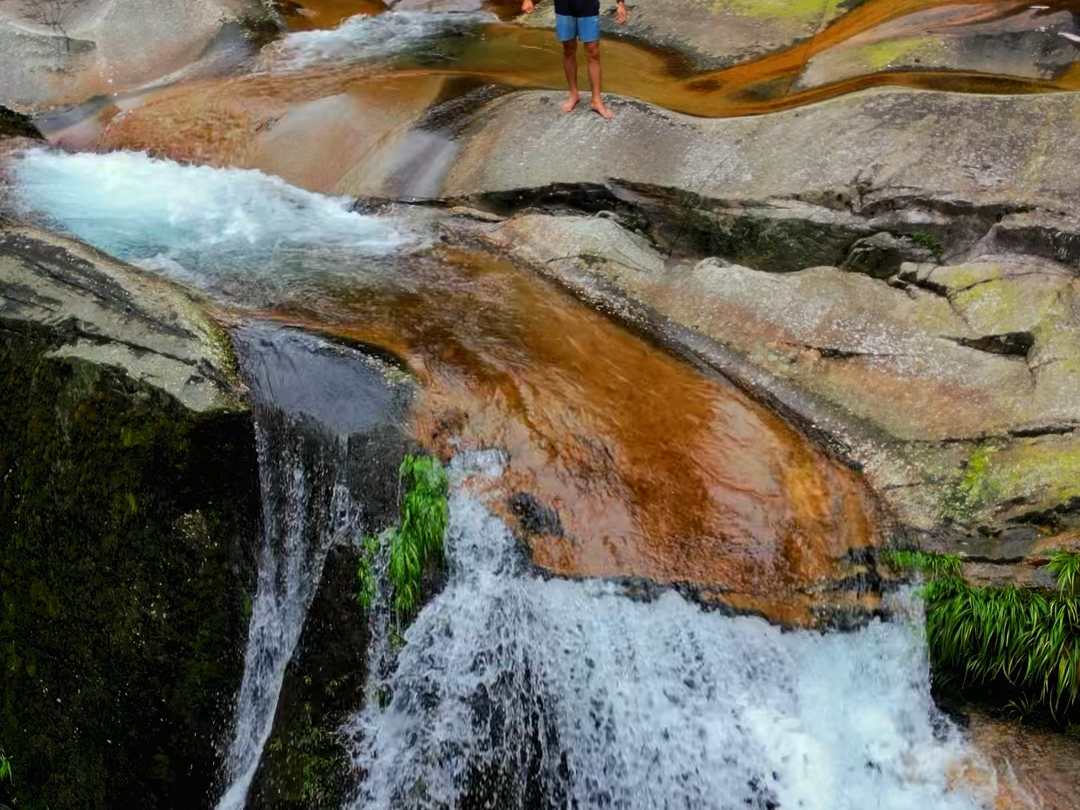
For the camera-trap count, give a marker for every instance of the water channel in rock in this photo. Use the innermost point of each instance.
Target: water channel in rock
(611, 504)
(540, 691)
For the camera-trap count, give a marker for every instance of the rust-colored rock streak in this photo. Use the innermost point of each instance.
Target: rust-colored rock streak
(1037, 769)
(655, 469)
(364, 108)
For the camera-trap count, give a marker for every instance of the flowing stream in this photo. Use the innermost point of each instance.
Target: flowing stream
(517, 688)
(305, 508)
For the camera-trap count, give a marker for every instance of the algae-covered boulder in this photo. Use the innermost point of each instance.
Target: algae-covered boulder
(128, 515)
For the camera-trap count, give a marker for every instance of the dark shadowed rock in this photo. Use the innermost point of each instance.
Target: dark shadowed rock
(344, 397)
(17, 125)
(882, 254)
(128, 519)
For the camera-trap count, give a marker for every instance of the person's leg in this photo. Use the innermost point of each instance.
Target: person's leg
(592, 50)
(589, 31)
(569, 63)
(566, 31)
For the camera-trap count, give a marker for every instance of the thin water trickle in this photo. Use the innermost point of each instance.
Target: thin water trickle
(308, 399)
(306, 508)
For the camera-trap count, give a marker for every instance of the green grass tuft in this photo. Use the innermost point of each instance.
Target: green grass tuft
(1065, 566)
(366, 576)
(6, 770)
(415, 542)
(1022, 644)
(419, 538)
(933, 565)
(930, 241)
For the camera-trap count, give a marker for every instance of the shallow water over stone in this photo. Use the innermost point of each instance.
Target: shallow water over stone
(655, 469)
(364, 84)
(615, 436)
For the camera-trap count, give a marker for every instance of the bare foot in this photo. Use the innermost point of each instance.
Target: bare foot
(599, 108)
(570, 103)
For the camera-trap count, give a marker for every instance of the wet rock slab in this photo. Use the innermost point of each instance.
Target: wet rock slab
(67, 50)
(903, 288)
(716, 33)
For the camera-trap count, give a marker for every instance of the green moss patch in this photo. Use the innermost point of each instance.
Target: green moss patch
(128, 528)
(975, 490)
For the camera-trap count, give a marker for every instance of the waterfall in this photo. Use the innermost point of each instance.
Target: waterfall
(516, 691)
(305, 507)
(309, 397)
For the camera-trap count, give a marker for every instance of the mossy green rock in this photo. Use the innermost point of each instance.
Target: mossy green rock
(128, 519)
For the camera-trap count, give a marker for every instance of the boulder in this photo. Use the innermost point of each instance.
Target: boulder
(57, 51)
(890, 156)
(129, 517)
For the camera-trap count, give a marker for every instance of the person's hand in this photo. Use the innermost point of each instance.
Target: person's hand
(527, 6)
(620, 14)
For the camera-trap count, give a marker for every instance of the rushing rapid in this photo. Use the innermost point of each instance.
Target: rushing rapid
(516, 691)
(198, 224)
(367, 37)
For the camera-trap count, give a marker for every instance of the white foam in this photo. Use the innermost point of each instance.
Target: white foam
(645, 705)
(290, 567)
(373, 37)
(193, 220)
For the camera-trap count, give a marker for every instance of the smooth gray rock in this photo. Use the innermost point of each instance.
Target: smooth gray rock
(112, 314)
(867, 153)
(713, 34)
(57, 51)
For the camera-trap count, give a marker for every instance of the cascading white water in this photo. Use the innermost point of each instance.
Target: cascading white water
(515, 691)
(305, 508)
(309, 398)
(234, 229)
(372, 36)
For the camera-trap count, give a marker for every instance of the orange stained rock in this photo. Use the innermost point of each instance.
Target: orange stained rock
(656, 469)
(1036, 768)
(362, 108)
(325, 133)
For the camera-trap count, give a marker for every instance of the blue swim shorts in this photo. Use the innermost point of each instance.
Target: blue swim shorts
(587, 29)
